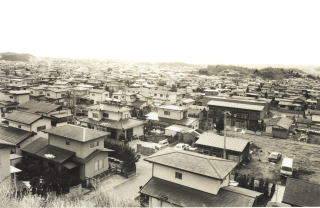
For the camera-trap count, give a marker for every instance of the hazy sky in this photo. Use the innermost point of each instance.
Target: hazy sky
(222, 32)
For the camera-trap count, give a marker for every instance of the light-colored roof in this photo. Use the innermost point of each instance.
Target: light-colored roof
(109, 107)
(196, 163)
(215, 140)
(77, 133)
(19, 92)
(236, 105)
(285, 122)
(173, 107)
(22, 117)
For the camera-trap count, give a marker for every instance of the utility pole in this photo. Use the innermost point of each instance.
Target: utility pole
(225, 134)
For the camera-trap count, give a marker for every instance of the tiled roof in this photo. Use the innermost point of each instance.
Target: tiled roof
(196, 163)
(38, 107)
(184, 196)
(214, 140)
(5, 143)
(14, 135)
(41, 148)
(22, 117)
(301, 193)
(77, 133)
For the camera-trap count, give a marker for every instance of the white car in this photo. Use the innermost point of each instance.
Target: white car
(181, 146)
(163, 143)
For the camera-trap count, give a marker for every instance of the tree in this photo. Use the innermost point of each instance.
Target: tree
(220, 125)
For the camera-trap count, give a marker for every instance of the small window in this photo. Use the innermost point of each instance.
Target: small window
(31, 92)
(106, 115)
(19, 126)
(40, 92)
(11, 97)
(155, 94)
(48, 94)
(97, 144)
(62, 95)
(115, 97)
(167, 113)
(92, 94)
(40, 128)
(67, 142)
(95, 115)
(161, 95)
(178, 175)
(92, 145)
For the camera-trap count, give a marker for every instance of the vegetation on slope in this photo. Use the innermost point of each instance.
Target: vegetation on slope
(8, 56)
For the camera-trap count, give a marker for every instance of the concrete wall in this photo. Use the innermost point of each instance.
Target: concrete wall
(191, 180)
(82, 149)
(4, 163)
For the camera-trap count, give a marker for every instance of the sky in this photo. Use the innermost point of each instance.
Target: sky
(193, 31)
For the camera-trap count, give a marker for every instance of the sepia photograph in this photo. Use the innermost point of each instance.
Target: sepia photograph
(159, 103)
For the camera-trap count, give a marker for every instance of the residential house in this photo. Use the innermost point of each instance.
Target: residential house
(58, 114)
(279, 127)
(301, 193)
(18, 96)
(30, 122)
(187, 179)
(168, 115)
(98, 95)
(113, 118)
(245, 114)
(213, 144)
(76, 151)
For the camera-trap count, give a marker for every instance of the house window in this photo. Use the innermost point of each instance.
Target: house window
(155, 94)
(11, 97)
(62, 95)
(98, 165)
(67, 142)
(92, 94)
(97, 144)
(179, 175)
(95, 115)
(167, 113)
(115, 97)
(31, 92)
(106, 115)
(19, 126)
(48, 94)
(92, 145)
(161, 95)
(40, 128)
(41, 93)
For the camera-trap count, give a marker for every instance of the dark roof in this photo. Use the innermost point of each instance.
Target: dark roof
(301, 193)
(38, 107)
(182, 122)
(180, 195)
(4, 143)
(124, 124)
(14, 135)
(196, 163)
(77, 133)
(214, 140)
(22, 117)
(41, 149)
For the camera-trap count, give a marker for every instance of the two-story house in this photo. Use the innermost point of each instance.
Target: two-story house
(113, 118)
(98, 95)
(76, 150)
(186, 179)
(168, 115)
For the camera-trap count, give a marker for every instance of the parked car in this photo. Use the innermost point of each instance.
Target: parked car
(181, 146)
(286, 168)
(163, 143)
(274, 157)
